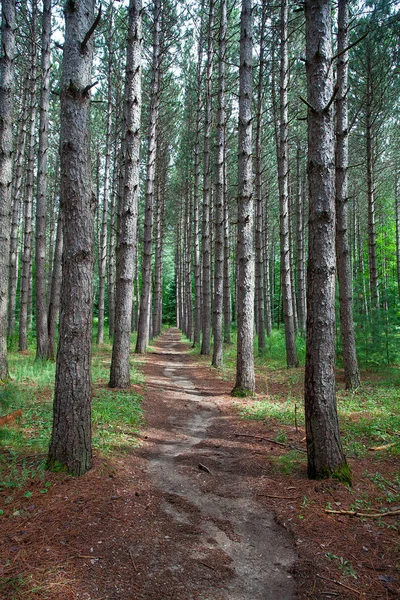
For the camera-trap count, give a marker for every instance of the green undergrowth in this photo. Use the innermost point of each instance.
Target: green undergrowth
(116, 415)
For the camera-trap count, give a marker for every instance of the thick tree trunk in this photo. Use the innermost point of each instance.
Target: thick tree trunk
(6, 113)
(245, 379)
(42, 338)
(219, 195)
(71, 439)
(351, 373)
(283, 180)
(206, 238)
(324, 451)
(128, 202)
(55, 289)
(106, 195)
(145, 304)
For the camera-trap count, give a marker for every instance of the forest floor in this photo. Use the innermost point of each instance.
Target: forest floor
(199, 510)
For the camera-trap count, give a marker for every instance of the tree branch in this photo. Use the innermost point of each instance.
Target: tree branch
(91, 30)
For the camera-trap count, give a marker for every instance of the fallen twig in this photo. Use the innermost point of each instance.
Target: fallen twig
(206, 565)
(264, 439)
(339, 583)
(279, 497)
(384, 447)
(355, 513)
(132, 561)
(204, 468)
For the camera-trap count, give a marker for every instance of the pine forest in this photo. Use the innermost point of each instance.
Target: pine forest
(201, 195)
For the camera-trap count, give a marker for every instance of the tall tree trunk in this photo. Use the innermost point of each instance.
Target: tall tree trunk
(28, 200)
(145, 304)
(369, 133)
(158, 260)
(259, 291)
(16, 195)
(206, 238)
(227, 262)
(71, 439)
(324, 451)
(55, 289)
(245, 379)
(283, 179)
(397, 210)
(42, 337)
(301, 262)
(188, 263)
(351, 373)
(219, 195)
(106, 195)
(128, 202)
(6, 114)
(267, 261)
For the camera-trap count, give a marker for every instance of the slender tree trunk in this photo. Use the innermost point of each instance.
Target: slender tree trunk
(267, 261)
(397, 209)
(16, 196)
(71, 439)
(206, 239)
(6, 114)
(259, 291)
(227, 262)
(28, 200)
(196, 235)
(158, 266)
(55, 289)
(245, 379)
(128, 202)
(188, 264)
(301, 262)
(351, 373)
(42, 338)
(372, 258)
(145, 304)
(106, 195)
(324, 451)
(219, 196)
(283, 179)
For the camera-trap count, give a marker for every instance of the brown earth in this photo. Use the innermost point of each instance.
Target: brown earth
(188, 515)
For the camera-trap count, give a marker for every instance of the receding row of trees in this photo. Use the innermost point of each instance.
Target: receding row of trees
(162, 155)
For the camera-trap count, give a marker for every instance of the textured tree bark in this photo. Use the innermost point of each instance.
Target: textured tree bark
(159, 244)
(351, 373)
(6, 113)
(283, 180)
(188, 265)
(219, 195)
(245, 379)
(71, 439)
(106, 195)
(206, 241)
(128, 202)
(324, 451)
(55, 289)
(145, 304)
(28, 200)
(259, 291)
(42, 337)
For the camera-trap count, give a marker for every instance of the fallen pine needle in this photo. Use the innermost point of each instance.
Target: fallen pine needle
(204, 468)
(354, 513)
(133, 562)
(279, 497)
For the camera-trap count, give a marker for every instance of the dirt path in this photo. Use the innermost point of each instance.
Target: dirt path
(216, 526)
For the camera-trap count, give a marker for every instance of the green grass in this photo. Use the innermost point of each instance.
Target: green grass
(116, 414)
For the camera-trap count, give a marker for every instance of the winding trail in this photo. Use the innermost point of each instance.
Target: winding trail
(206, 492)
